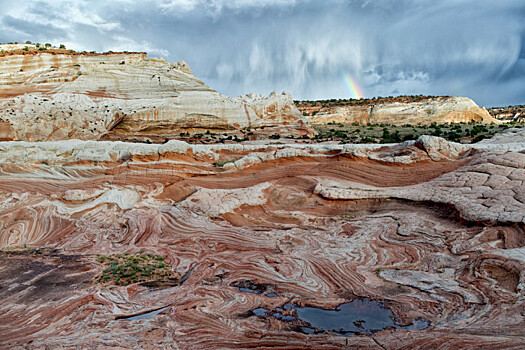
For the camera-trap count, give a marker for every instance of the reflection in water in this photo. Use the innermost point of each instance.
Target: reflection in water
(359, 316)
(260, 311)
(356, 317)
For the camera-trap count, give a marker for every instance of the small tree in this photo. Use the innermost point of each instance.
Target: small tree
(48, 45)
(62, 46)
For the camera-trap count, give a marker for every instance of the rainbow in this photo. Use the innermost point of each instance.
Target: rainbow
(353, 88)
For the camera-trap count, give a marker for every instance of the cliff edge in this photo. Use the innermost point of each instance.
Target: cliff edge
(438, 110)
(59, 95)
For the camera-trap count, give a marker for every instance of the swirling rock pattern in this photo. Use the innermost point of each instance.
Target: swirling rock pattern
(432, 233)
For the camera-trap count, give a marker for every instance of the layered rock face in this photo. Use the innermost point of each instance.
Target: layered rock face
(513, 113)
(433, 230)
(59, 95)
(440, 111)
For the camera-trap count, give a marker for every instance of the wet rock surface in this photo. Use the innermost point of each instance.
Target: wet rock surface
(264, 248)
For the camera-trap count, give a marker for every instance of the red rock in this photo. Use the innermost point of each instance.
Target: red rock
(433, 236)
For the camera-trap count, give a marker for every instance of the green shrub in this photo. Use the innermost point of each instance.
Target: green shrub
(340, 134)
(479, 138)
(453, 136)
(131, 268)
(368, 139)
(436, 132)
(387, 137)
(408, 137)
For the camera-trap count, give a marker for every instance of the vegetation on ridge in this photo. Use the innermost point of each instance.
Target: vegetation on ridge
(385, 133)
(308, 107)
(49, 48)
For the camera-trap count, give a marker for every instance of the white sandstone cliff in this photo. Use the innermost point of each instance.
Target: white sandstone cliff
(58, 95)
(441, 110)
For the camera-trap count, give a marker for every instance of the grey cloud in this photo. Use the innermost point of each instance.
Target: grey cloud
(27, 30)
(461, 47)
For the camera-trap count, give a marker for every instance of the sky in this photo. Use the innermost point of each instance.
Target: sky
(312, 49)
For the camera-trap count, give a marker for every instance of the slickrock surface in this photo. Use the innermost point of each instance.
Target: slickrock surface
(57, 95)
(440, 111)
(433, 230)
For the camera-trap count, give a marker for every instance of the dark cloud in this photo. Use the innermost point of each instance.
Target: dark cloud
(29, 29)
(454, 47)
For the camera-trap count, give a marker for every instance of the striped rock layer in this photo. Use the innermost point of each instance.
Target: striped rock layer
(431, 229)
(58, 95)
(441, 110)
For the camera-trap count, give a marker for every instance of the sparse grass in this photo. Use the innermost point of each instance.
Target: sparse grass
(125, 269)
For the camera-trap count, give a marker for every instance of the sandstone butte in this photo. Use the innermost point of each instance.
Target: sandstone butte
(433, 230)
(439, 110)
(59, 95)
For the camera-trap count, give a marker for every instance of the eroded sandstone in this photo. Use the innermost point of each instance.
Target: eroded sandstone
(436, 110)
(57, 95)
(433, 230)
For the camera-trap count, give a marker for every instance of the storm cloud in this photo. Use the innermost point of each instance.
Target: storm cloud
(388, 47)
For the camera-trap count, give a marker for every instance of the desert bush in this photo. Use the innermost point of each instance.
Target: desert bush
(453, 136)
(124, 269)
(436, 132)
(408, 137)
(479, 138)
(368, 139)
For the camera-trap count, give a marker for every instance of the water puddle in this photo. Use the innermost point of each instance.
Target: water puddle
(261, 312)
(356, 317)
(250, 287)
(144, 315)
(254, 288)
